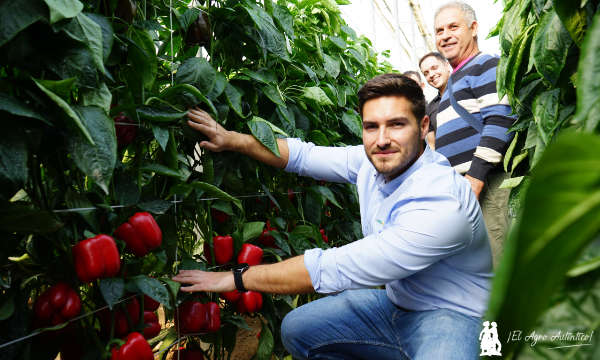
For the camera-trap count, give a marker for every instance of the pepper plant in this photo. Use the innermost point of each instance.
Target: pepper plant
(93, 94)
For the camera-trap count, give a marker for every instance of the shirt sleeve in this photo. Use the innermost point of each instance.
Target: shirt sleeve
(497, 119)
(337, 164)
(420, 235)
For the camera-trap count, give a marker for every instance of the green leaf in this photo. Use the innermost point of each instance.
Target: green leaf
(332, 65)
(112, 289)
(63, 9)
(68, 111)
(13, 159)
(316, 94)
(234, 99)
(75, 200)
(588, 79)
(7, 308)
(328, 194)
(173, 93)
(27, 220)
(550, 46)
(100, 97)
(261, 129)
(153, 288)
(545, 113)
(77, 62)
(273, 93)
(585, 267)
(161, 134)
(266, 343)
(92, 33)
(264, 76)
(161, 170)
(189, 16)
(141, 55)
(287, 118)
(212, 190)
(197, 71)
(108, 33)
(548, 239)
(98, 161)
(126, 189)
(511, 182)
(509, 151)
(15, 107)
(157, 207)
(159, 115)
(352, 122)
(573, 19)
(305, 231)
(62, 88)
(15, 16)
(319, 138)
(284, 19)
(273, 40)
(217, 90)
(252, 230)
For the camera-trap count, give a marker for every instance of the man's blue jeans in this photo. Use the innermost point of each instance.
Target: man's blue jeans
(365, 324)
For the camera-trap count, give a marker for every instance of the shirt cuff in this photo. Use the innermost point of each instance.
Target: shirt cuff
(480, 168)
(294, 145)
(323, 271)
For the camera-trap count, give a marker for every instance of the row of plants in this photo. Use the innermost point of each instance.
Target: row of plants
(547, 283)
(97, 160)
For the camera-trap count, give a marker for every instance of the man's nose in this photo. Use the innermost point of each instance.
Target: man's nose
(383, 139)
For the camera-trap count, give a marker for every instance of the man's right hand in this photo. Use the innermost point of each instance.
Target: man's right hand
(219, 139)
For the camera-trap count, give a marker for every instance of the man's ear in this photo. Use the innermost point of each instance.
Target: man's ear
(474, 27)
(424, 126)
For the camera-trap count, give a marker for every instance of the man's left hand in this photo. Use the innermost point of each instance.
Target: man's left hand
(199, 280)
(476, 185)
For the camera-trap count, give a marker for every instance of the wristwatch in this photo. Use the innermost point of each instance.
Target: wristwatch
(238, 270)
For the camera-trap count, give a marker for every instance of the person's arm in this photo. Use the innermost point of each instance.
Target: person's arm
(286, 277)
(220, 139)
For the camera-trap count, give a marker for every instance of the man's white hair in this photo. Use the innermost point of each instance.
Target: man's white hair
(465, 8)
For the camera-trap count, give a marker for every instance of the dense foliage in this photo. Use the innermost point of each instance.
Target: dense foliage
(548, 280)
(92, 97)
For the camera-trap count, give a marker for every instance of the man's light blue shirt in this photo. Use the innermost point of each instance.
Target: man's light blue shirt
(425, 238)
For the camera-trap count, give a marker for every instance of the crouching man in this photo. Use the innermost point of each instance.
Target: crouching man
(424, 239)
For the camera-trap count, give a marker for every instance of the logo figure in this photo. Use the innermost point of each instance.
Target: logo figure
(489, 343)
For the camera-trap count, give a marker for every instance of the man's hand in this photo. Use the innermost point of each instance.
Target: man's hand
(476, 185)
(199, 280)
(219, 139)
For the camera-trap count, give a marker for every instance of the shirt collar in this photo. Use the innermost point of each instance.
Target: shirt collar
(390, 187)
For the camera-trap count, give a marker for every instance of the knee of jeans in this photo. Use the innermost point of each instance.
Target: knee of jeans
(293, 330)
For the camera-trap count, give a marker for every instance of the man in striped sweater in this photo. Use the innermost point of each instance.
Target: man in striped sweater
(475, 147)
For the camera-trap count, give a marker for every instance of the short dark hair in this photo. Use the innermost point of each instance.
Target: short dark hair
(412, 72)
(436, 55)
(390, 85)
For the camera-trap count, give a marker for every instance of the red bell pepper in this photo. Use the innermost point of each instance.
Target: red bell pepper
(231, 296)
(141, 233)
(214, 316)
(135, 348)
(121, 324)
(325, 238)
(265, 238)
(223, 247)
(56, 305)
(250, 301)
(219, 216)
(151, 325)
(150, 304)
(250, 254)
(192, 317)
(125, 129)
(96, 257)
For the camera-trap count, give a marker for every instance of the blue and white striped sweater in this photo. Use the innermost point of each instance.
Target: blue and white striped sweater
(468, 151)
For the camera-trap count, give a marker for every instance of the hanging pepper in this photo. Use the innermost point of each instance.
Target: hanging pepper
(121, 325)
(151, 325)
(231, 296)
(141, 233)
(56, 305)
(250, 301)
(223, 247)
(188, 354)
(135, 348)
(265, 238)
(325, 238)
(250, 254)
(214, 316)
(219, 216)
(150, 304)
(192, 317)
(96, 257)
(125, 129)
